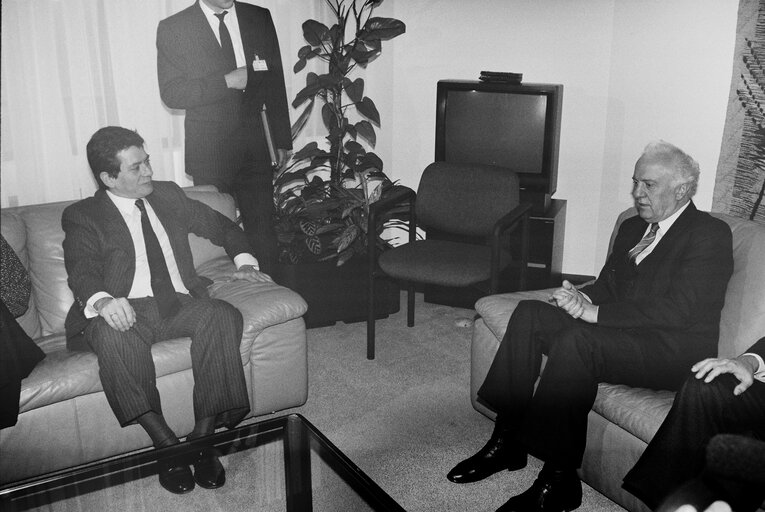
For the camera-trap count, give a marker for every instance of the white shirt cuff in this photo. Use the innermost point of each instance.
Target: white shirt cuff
(90, 310)
(759, 373)
(245, 258)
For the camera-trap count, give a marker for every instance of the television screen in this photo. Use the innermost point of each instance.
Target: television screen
(495, 128)
(515, 126)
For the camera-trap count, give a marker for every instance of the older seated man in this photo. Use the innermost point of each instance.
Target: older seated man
(653, 311)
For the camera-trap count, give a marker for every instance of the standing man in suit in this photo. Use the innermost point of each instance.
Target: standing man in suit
(220, 61)
(130, 268)
(720, 396)
(653, 311)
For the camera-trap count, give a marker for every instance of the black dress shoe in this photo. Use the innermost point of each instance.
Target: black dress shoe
(175, 476)
(498, 454)
(208, 471)
(552, 491)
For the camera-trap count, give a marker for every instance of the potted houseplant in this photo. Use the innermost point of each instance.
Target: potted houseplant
(323, 195)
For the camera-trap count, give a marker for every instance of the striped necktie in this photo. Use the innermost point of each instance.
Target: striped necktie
(647, 240)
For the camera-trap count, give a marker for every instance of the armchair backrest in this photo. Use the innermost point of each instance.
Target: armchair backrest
(465, 199)
(743, 316)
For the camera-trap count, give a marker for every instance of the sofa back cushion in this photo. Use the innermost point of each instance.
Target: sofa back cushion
(35, 234)
(743, 316)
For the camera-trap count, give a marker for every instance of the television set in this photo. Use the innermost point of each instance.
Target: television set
(516, 126)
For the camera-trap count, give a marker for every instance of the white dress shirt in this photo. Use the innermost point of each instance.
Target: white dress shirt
(664, 226)
(232, 24)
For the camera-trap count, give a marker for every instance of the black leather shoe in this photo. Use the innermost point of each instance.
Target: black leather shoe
(498, 454)
(175, 476)
(208, 471)
(552, 491)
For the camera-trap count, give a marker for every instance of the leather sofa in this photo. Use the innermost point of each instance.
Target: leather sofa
(64, 418)
(623, 420)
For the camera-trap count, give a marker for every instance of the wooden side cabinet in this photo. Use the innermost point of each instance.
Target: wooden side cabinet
(546, 233)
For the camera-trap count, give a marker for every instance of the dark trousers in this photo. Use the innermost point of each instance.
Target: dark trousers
(127, 369)
(250, 181)
(676, 453)
(551, 422)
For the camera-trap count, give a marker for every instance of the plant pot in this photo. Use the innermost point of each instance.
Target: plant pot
(337, 293)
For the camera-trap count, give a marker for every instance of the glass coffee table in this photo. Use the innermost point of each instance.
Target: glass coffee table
(278, 464)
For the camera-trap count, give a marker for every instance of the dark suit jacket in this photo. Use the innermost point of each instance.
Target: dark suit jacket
(758, 348)
(191, 69)
(677, 292)
(99, 254)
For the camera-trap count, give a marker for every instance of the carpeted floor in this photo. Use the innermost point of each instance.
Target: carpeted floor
(405, 418)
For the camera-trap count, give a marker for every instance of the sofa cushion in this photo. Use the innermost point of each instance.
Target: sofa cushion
(639, 411)
(46, 264)
(496, 309)
(743, 316)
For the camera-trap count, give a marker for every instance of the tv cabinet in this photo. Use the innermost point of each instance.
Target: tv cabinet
(546, 232)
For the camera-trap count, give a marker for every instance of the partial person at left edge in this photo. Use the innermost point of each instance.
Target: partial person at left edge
(18, 352)
(131, 270)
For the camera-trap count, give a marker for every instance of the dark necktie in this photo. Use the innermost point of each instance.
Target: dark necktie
(644, 242)
(225, 41)
(161, 284)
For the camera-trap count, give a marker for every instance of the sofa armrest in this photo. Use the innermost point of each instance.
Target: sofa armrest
(496, 309)
(262, 304)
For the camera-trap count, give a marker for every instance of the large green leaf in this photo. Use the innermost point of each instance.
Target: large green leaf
(355, 90)
(354, 148)
(367, 108)
(313, 243)
(312, 86)
(367, 131)
(328, 228)
(328, 116)
(362, 54)
(305, 54)
(315, 32)
(382, 29)
(370, 161)
(309, 150)
(308, 227)
(347, 237)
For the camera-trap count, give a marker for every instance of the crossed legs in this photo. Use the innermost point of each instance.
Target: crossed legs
(128, 374)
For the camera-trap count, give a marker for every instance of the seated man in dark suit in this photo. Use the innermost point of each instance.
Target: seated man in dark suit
(721, 396)
(653, 311)
(130, 267)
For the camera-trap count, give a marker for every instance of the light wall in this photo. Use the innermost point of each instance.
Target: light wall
(633, 71)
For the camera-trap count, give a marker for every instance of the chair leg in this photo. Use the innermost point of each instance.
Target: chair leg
(410, 305)
(371, 319)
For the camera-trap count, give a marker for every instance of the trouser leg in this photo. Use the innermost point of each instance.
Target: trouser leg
(126, 368)
(509, 384)
(253, 190)
(254, 196)
(700, 410)
(215, 329)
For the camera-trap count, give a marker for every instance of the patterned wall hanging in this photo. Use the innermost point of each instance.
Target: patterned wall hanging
(740, 182)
